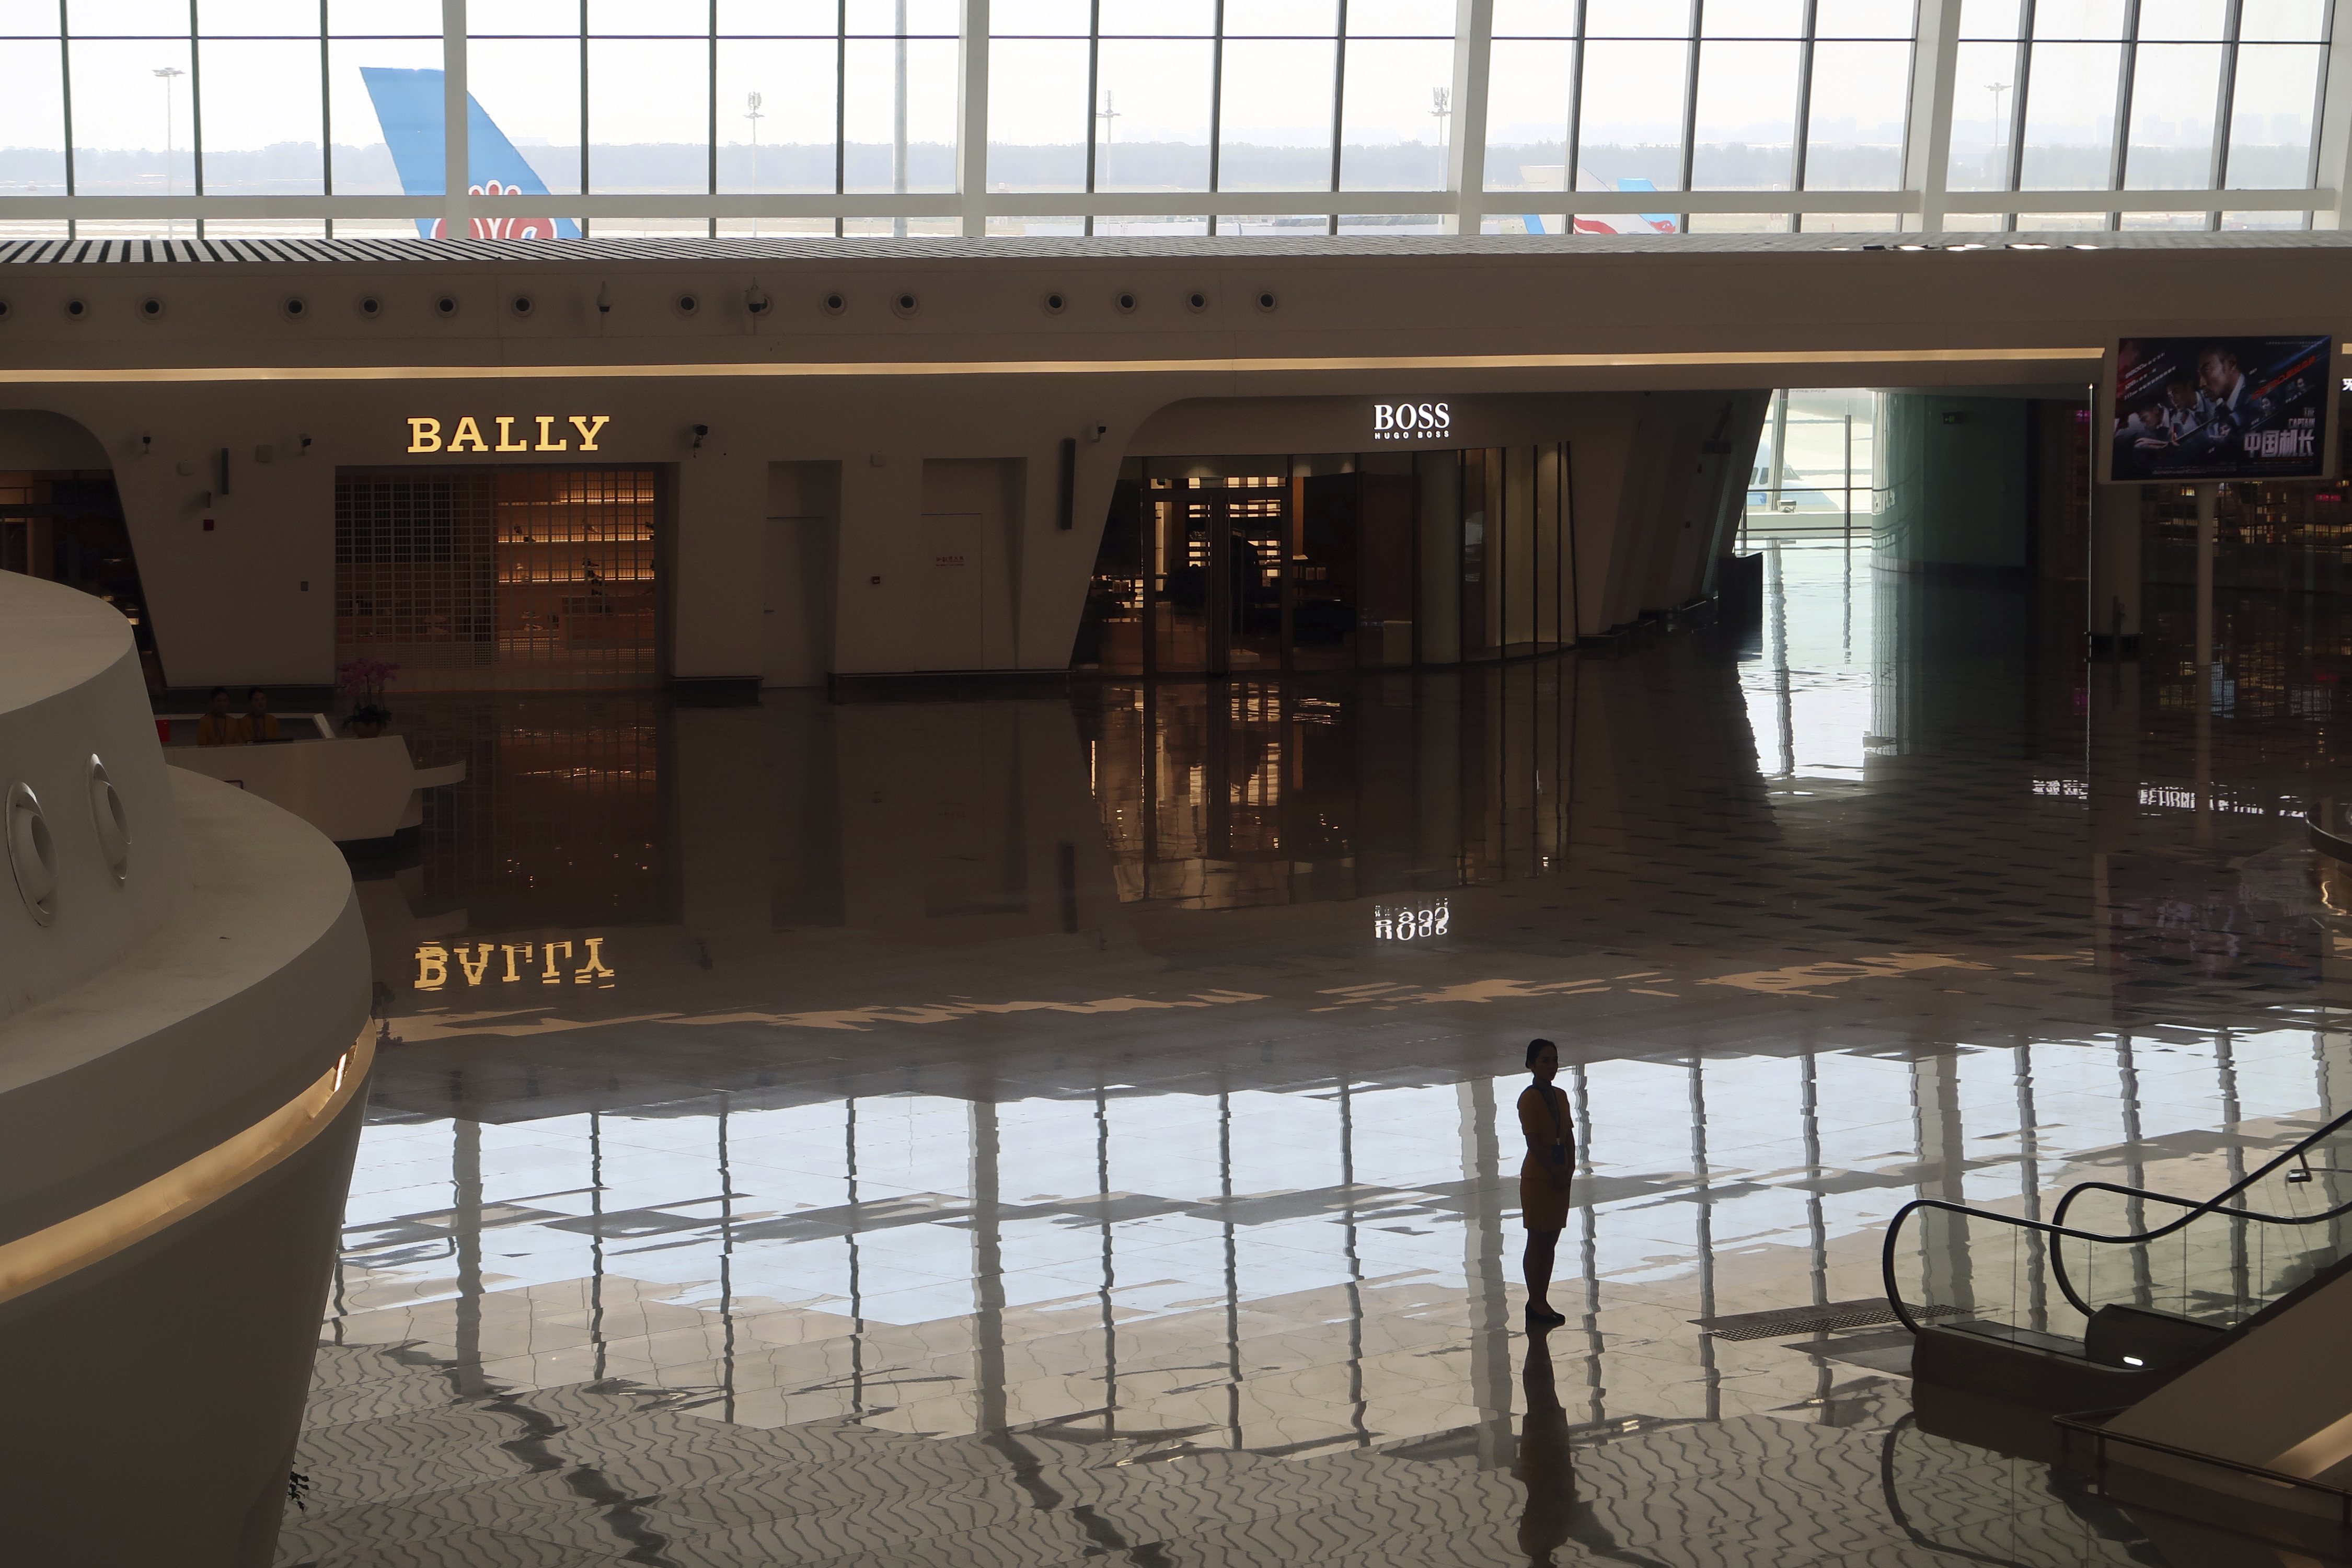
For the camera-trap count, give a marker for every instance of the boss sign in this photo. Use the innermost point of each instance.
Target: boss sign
(1410, 421)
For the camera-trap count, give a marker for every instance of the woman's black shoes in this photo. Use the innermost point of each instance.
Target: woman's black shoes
(1539, 1318)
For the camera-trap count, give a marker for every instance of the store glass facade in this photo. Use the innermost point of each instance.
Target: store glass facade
(487, 579)
(1276, 566)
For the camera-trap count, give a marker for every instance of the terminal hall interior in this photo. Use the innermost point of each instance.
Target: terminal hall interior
(1343, 782)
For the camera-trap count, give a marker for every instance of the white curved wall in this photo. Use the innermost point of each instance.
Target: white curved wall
(179, 1100)
(70, 689)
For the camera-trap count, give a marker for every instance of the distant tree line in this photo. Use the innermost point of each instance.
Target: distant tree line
(1151, 166)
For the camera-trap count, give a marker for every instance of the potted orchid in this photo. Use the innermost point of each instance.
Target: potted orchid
(363, 681)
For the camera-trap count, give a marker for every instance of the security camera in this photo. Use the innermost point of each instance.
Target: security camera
(700, 432)
(1096, 431)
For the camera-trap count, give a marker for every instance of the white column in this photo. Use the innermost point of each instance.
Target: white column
(972, 118)
(457, 159)
(1465, 163)
(1928, 139)
(2336, 122)
(2204, 692)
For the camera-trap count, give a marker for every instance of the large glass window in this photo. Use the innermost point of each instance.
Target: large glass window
(1141, 106)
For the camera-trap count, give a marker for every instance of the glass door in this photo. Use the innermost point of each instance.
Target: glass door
(1256, 530)
(1219, 584)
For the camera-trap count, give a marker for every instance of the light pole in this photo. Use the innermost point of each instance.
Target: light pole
(1441, 101)
(170, 225)
(752, 102)
(1107, 114)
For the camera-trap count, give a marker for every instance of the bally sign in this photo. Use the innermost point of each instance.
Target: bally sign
(1410, 421)
(425, 435)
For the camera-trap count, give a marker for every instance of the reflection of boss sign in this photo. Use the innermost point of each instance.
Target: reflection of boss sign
(1401, 421)
(425, 435)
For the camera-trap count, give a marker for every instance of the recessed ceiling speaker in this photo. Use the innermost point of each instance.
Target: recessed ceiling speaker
(76, 311)
(1265, 300)
(1055, 304)
(906, 304)
(3, 309)
(150, 308)
(522, 306)
(32, 854)
(113, 823)
(447, 304)
(687, 304)
(1196, 301)
(294, 307)
(370, 305)
(835, 304)
(1126, 303)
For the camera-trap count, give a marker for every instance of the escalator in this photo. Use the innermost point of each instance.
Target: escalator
(2198, 1345)
(2121, 1287)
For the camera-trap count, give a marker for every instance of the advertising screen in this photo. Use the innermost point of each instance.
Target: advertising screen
(2220, 409)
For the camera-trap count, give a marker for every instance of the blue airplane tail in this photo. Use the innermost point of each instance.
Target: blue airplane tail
(408, 108)
(1663, 222)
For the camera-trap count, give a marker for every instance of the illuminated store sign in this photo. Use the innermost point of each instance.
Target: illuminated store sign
(1411, 421)
(523, 960)
(425, 435)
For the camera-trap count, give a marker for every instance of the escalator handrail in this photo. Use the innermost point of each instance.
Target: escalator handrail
(2178, 1201)
(2053, 1227)
(2301, 1146)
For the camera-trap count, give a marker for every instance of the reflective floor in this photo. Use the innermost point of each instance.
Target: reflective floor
(1059, 1127)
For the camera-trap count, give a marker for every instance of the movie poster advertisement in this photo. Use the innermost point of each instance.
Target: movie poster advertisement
(2220, 409)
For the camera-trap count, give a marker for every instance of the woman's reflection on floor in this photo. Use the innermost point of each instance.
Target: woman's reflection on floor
(1546, 1465)
(1553, 1517)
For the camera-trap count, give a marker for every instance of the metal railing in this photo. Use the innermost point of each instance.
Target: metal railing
(2219, 1204)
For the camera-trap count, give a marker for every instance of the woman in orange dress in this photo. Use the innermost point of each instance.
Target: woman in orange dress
(1543, 1176)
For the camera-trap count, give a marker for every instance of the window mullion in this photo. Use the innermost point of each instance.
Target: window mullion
(1216, 109)
(2319, 104)
(840, 106)
(1804, 123)
(326, 117)
(2014, 175)
(1690, 105)
(1093, 97)
(2127, 72)
(1338, 104)
(585, 186)
(196, 109)
(1573, 147)
(2225, 106)
(712, 97)
(65, 89)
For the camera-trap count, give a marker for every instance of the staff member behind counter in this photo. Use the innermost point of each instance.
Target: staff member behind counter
(219, 727)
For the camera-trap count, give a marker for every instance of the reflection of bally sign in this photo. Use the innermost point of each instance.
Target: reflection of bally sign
(425, 435)
(1410, 421)
(433, 961)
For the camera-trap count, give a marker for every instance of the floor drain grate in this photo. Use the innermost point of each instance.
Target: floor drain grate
(1816, 1319)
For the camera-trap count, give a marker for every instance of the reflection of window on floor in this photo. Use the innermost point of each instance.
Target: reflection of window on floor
(562, 819)
(1247, 794)
(518, 579)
